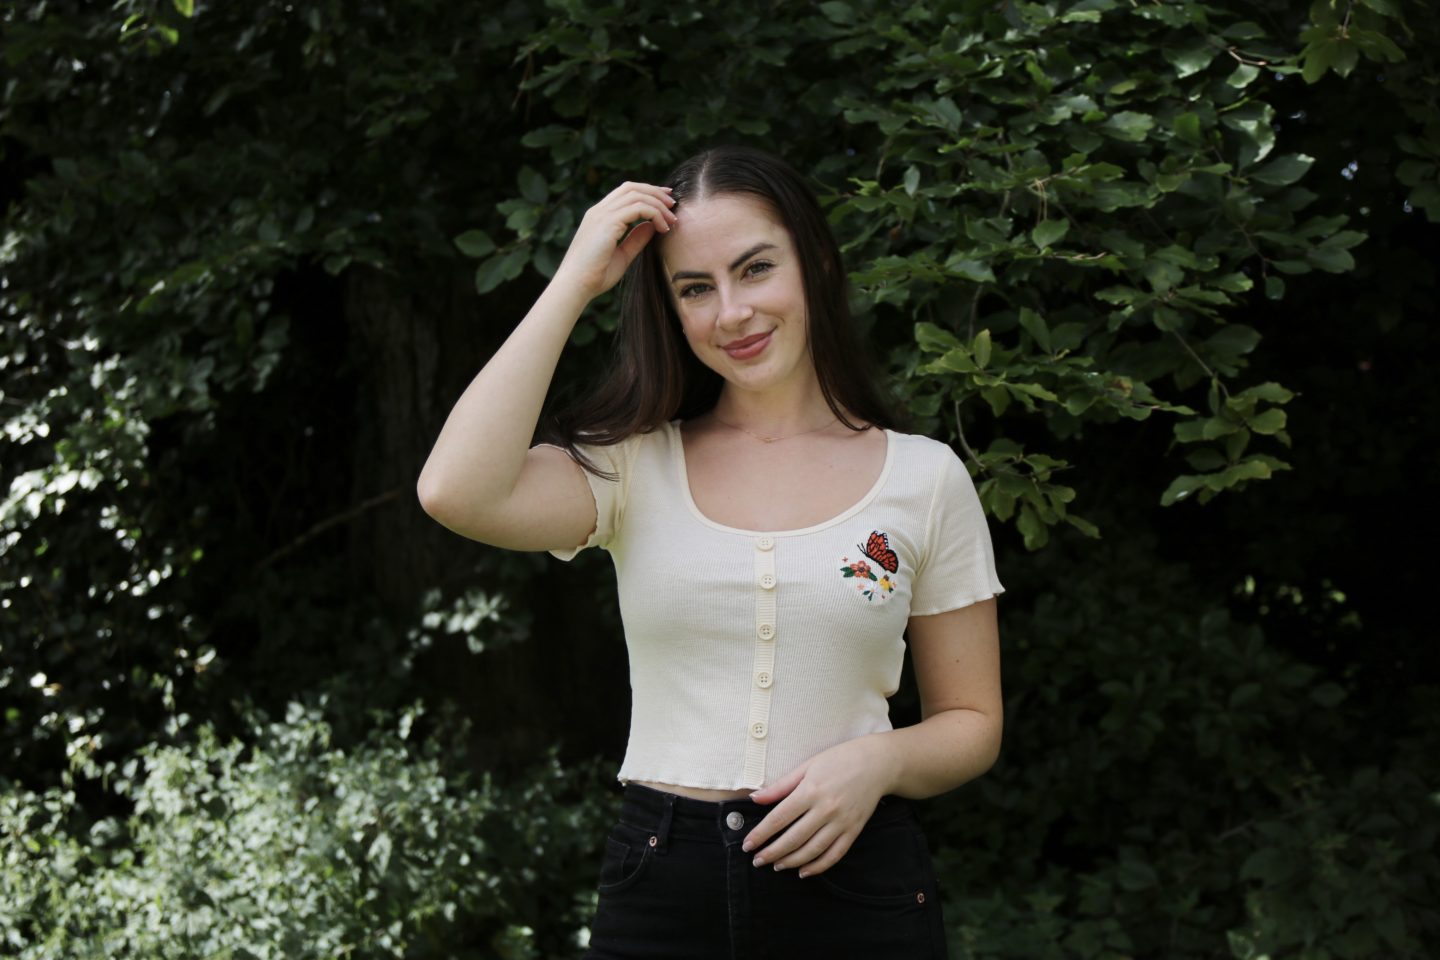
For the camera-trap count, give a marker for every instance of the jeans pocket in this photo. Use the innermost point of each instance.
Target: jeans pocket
(883, 867)
(628, 850)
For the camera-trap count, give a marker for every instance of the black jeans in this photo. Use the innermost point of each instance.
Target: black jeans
(674, 884)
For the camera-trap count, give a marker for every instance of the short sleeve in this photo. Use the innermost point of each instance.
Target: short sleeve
(958, 566)
(617, 459)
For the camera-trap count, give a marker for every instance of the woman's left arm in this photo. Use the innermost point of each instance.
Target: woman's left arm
(956, 656)
(822, 805)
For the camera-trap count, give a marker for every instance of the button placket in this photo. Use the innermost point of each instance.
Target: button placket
(763, 673)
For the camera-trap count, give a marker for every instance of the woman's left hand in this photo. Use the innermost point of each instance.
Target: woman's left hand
(827, 801)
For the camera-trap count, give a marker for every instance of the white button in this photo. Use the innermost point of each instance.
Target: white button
(766, 631)
(763, 679)
(735, 820)
(765, 543)
(757, 729)
(767, 581)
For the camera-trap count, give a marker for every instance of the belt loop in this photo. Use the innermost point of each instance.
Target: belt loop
(663, 833)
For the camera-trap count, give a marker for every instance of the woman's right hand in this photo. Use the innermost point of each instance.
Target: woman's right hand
(605, 244)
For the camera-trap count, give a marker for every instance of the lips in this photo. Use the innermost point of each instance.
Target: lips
(747, 347)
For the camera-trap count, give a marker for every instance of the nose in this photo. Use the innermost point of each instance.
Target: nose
(734, 311)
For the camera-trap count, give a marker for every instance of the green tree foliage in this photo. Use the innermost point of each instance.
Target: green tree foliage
(1174, 786)
(252, 252)
(286, 847)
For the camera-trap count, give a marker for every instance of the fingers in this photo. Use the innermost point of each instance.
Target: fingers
(771, 824)
(810, 863)
(649, 189)
(783, 787)
(641, 201)
(813, 851)
(802, 842)
(612, 233)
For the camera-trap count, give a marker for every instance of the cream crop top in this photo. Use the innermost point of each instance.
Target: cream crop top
(751, 651)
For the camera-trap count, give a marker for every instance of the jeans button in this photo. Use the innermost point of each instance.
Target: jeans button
(735, 820)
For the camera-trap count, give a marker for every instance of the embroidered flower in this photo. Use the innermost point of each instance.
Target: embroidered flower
(877, 551)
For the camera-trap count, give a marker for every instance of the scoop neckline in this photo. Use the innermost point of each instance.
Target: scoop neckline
(677, 454)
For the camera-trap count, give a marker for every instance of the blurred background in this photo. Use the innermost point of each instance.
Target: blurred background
(1157, 271)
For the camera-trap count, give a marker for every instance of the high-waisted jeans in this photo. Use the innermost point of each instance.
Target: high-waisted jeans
(674, 884)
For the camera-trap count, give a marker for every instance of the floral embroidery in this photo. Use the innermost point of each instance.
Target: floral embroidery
(877, 551)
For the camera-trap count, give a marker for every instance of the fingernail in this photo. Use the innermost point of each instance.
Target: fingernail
(757, 862)
(746, 846)
(778, 868)
(804, 874)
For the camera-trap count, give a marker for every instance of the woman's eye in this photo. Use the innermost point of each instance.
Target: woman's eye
(758, 267)
(694, 290)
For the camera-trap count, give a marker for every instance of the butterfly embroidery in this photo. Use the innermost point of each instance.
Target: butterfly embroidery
(868, 583)
(877, 548)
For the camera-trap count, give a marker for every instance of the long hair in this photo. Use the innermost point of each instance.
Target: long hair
(655, 376)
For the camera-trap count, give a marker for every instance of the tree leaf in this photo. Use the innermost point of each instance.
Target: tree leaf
(1047, 232)
(1271, 865)
(972, 270)
(1035, 325)
(1234, 339)
(934, 339)
(1242, 76)
(1187, 128)
(1190, 59)
(1285, 170)
(502, 266)
(475, 243)
(1137, 875)
(981, 348)
(1269, 422)
(1129, 125)
(1180, 488)
(1330, 259)
(533, 186)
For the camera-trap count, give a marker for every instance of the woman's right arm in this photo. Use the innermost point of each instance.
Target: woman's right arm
(482, 479)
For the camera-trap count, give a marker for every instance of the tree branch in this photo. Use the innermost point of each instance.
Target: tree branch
(335, 521)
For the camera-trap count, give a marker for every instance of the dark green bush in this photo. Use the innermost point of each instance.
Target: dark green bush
(286, 846)
(1173, 786)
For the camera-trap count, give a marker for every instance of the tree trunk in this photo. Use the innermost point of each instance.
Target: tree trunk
(568, 681)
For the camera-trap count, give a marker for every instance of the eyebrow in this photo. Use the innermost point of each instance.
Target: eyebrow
(694, 275)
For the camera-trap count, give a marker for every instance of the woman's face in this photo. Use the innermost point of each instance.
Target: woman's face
(734, 277)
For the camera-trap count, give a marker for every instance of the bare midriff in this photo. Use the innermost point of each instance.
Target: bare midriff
(695, 793)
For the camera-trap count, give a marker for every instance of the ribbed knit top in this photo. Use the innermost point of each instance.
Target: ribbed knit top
(753, 650)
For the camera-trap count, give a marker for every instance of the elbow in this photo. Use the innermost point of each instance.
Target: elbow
(991, 754)
(454, 508)
(432, 497)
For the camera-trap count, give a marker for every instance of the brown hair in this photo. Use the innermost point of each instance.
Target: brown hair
(655, 376)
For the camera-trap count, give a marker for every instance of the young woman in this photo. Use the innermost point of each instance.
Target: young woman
(774, 538)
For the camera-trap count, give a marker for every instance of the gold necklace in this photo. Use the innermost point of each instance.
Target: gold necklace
(769, 439)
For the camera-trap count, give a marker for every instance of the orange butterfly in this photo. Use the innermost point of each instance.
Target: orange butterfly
(877, 548)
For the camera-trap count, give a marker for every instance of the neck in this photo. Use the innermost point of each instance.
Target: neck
(775, 412)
